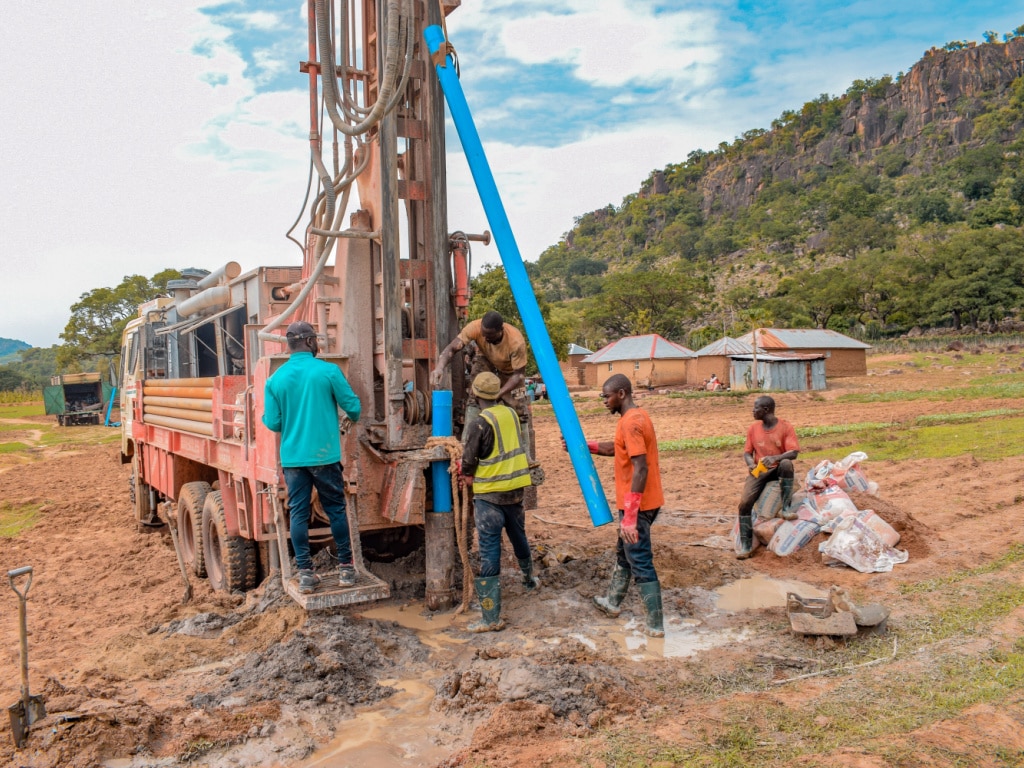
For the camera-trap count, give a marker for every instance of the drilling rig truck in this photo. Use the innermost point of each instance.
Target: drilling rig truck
(386, 286)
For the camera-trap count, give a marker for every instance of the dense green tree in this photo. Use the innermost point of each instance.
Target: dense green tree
(632, 303)
(99, 317)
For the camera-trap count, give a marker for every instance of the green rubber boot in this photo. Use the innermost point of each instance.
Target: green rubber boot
(530, 581)
(786, 486)
(746, 537)
(654, 622)
(488, 592)
(611, 605)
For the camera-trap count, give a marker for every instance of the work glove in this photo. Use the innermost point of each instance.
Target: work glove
(630, 510)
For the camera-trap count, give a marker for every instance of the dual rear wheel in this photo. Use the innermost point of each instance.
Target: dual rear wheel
(229, 562)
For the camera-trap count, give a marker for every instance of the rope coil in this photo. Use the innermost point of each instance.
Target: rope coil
(460, 509)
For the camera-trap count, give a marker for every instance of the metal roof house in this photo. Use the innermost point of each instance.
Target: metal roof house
(714, 359)
(843, 356)
(789, 373)
(647, 361)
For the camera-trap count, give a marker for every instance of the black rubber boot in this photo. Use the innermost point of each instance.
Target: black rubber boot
(530, 581)
(786, 486)
(746, 537)
(610, 605)
(488, 592)
(654, 625)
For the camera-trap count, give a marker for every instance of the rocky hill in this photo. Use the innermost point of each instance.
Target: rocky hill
(853, 212)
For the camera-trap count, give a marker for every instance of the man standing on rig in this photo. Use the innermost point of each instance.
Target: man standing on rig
(302, 399)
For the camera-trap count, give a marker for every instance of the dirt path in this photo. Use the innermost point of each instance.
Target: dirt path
(133, 678)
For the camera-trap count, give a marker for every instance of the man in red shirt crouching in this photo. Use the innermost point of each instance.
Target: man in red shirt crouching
(769, 453)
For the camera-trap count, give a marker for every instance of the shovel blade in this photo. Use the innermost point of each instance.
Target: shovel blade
(22, 719)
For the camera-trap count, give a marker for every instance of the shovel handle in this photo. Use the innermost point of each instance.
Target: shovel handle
(12, 575)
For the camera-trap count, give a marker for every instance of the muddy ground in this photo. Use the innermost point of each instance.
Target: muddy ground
(131, 677)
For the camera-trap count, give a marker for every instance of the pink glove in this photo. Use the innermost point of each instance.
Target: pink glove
(593, 446)
(630, 508)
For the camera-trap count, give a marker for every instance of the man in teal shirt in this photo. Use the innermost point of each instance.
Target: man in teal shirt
(301, 401)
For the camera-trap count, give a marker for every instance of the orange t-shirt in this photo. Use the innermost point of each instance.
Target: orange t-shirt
(770, 442)
(634, 436)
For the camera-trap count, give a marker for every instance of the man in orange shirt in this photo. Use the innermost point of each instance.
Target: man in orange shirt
(639, 498)
(769, 452)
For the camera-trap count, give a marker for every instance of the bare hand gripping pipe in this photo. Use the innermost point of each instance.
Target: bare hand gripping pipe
(568, 421)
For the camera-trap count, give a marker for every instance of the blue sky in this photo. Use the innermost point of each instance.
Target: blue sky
(173, 133)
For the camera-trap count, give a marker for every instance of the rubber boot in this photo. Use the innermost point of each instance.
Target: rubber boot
(488, 592)
(530, 581)
(654, 625)
(746, 537)
(611, 605)
(786, 486)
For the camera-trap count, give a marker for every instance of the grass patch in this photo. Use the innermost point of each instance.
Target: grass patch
(994, 387)
(21, 410)
(16, 518)
(15, 447)
(737, 441)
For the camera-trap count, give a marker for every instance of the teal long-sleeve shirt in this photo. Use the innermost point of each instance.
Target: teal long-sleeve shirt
(301, 401)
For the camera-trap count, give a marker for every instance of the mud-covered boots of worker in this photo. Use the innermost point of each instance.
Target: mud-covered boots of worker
(611, 604)
(786, 489)
(488, 592)
(654, 622)
(745, 546)
(530, 582)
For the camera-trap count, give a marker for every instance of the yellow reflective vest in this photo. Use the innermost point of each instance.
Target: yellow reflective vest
(506, 467)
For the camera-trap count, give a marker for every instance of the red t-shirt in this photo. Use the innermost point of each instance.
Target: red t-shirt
(634, 436)
(770, 442)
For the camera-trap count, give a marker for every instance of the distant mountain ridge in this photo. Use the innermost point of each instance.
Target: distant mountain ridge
(9, 349)
(853, 212)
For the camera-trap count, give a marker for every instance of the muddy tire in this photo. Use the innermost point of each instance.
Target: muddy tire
(190, 525)
(231, 563)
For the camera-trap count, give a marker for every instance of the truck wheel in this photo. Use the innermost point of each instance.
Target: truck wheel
(230, 560)
(190, 525)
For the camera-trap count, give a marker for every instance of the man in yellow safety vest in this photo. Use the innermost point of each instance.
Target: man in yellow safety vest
(494, 461)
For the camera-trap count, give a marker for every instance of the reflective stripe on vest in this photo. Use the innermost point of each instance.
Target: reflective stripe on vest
(506, 467)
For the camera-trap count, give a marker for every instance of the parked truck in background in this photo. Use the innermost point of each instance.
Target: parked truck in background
(77, 398)
(195, 363)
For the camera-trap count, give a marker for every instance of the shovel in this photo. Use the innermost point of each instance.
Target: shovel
(30, 708)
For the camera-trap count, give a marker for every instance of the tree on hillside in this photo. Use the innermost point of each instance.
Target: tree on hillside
(976, 276)
(99, 317)
(636, 303)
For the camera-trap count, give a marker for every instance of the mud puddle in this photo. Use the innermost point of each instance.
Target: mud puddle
(761, 592)
(399, 733)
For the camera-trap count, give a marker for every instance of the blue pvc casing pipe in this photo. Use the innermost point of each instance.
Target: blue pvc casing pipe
(547, 362)
(441, 426)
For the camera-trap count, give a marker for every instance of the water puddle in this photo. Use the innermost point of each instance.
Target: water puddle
(429, 626)
(682, 639)
(393, 734)
(761, 592)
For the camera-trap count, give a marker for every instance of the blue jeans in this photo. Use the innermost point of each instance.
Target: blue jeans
(490, 519)
(638, 558)
(330, 486)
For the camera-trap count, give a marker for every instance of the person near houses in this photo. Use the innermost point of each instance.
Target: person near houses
(501, 350)
(713, 384)
(769, 453)
(302, 399)
(494, 461)
(639, 498)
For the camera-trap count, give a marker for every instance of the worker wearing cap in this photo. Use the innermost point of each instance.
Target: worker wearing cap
(494, 461)
(302, 399)
(501, 351)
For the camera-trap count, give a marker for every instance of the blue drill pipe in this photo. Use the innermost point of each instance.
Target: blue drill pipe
(441, 481)
(547, 362)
